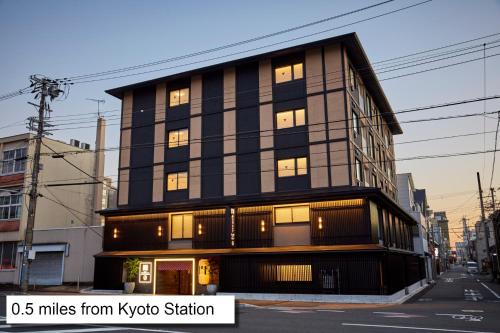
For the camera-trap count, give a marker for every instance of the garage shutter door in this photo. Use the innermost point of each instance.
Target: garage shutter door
(47, 268)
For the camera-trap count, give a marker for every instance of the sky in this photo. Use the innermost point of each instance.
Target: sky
(67, 38)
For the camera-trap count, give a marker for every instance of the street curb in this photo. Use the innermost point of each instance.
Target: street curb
(416, 296)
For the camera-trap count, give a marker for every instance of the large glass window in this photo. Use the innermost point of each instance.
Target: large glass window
(368, 105)
(289, 73)
(10, 205)
(291, 214)
(178, 138)
(295, 273)
(291, 118)
(182, 226)
(177, 181)
(8, 255)
(371, 146)
(292, 167)
(14, 160)
(179, 96)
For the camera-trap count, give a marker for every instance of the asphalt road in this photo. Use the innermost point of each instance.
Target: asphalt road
(457, 303)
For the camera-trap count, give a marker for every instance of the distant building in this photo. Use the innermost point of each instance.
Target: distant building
(65, 238)
(407, 198)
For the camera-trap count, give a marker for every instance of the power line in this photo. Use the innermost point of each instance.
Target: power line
(227, 46)
(494, 154)
(261, 47)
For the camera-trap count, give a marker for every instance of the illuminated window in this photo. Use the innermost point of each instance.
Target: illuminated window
(179, 96)
(292, 167)
(289, 73)
(182, 226)
(353, 84)
(177, 138)
(287, 119)
(297, 273)
(177, 181)
(291, 214)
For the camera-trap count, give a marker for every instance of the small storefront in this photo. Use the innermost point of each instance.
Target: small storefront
(174, 277)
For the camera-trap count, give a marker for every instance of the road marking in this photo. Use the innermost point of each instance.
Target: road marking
(491, 291)
(295, 311)
(412, 328)
(473, 295)
(460, 316)
(77, 330)
(425, 300)
(99, 328)
(472, 311)
(392, 313)
(331, 310)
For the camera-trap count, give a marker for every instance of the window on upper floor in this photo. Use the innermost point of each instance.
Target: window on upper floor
(179, 96)
(291, 118)
(178, 138)
(177, 181)
(371, 146)
(8, 252)
(182, 226)
(14, 160)
(289, 73)
(374, 180)
(10, 205)
(359, 171)
(368, 105)
(291, 214)
(355, 124)
(353, 84)
(292, 167)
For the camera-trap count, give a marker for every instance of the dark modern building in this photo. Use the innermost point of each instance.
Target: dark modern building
(276, 170)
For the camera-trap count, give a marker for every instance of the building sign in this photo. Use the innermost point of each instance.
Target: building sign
(233, 229)
(203, 272)
(145, 272)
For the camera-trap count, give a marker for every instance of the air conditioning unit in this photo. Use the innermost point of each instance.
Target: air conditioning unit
(74, 143)
(85, 146)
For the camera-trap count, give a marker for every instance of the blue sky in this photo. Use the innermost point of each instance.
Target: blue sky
(64, 38)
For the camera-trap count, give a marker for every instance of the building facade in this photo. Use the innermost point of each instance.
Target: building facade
(415, 203)
(274, 171)
(64, 239)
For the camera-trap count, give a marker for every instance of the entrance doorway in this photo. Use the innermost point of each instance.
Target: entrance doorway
(174, 276)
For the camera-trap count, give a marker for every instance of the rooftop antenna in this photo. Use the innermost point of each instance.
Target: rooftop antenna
(98, 101)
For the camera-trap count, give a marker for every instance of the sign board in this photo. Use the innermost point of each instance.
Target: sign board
(145, 272)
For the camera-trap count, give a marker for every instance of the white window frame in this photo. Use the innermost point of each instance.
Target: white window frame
(355, 124)
(19, 159)
(10, 206)
(358, 167)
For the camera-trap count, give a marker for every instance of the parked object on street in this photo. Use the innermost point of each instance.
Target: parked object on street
(472, 267)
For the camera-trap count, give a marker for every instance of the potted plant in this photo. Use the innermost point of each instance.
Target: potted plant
(132, 269)
(213, 272)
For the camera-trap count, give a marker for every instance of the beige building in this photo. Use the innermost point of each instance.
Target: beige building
(65, 234)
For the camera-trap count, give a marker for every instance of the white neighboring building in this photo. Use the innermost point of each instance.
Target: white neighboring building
(406, 199)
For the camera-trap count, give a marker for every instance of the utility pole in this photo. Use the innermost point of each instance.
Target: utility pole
(98, 101)
(466, 238)
(43, 87)
(483, 218)
(492, 191)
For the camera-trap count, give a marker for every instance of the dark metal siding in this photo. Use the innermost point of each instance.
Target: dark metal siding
(341, 225)
(137, 234)
(213, 229)
(249, 224)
